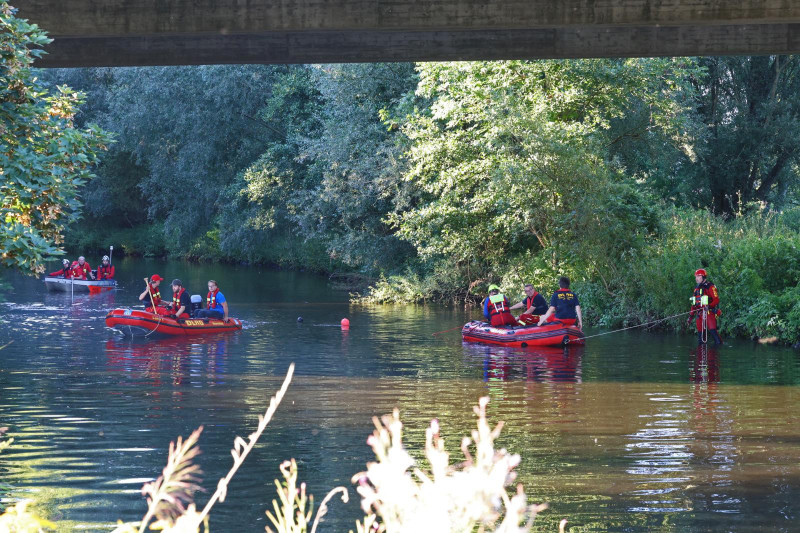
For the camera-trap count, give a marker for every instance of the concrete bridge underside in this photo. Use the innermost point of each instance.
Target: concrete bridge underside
(190, 32)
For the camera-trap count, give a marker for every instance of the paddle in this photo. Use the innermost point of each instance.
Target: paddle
(152, 302)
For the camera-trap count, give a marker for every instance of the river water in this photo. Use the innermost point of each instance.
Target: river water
(636, 431)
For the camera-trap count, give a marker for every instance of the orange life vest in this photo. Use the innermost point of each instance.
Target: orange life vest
(176, 299)
(211, 299)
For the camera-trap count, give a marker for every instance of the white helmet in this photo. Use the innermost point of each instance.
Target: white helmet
(65, 262)
(105, 258)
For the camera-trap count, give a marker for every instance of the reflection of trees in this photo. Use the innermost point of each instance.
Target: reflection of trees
(170, 360)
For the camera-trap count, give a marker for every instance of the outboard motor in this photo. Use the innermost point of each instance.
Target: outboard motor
(197, 302)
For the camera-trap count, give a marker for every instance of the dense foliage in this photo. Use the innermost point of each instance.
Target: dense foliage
(44, 158)
(434, 180)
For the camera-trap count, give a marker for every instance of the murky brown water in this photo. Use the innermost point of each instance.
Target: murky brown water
(634, 432)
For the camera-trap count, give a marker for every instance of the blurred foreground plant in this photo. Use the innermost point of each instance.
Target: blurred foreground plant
(397, 494)
(17, 519)
(470, 496)
(170, 496)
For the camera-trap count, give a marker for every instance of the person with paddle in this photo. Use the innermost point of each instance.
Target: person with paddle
(153, 295)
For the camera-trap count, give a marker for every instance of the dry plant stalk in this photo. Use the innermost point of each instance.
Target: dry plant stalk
(397, 496)
(291, 515)
(170, 496)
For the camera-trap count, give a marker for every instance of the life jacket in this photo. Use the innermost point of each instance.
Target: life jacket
(211, 299)
(176, 299)
(105, 272)
(156, 294)
(528, 301)
(706, 295)
(81, 271)
(498, 304)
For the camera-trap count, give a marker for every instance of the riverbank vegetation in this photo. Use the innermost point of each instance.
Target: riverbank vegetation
(437, 179)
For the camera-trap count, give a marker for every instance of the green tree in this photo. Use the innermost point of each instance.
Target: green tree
(512, 158)
(44, 158)
(750, 152)
(189, 130)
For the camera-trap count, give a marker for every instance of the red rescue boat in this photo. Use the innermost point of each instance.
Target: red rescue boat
(550, 334)
(136, 322)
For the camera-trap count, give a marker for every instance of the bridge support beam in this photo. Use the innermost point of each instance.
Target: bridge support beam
(180, 32)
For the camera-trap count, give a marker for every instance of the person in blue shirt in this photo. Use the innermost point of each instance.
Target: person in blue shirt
(496, 308)
(216, 305)
(564, 306)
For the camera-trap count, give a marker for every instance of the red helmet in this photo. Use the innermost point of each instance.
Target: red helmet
(700, 272)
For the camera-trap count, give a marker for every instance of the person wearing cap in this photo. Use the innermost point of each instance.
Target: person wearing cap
(65, 272)
(81, 269)
(564, 306)
(534, 304)
(105, 270)
(152, 290)
(705, 308)
(216, 305)
(496, 308)
(181, 301)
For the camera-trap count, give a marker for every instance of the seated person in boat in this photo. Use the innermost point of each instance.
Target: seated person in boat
(81, 269)
(216, 306)
(496, 308)
(181, 301)
(65, 272)
(152, 297)
(564, 306)
(106, 270)
(534, 304)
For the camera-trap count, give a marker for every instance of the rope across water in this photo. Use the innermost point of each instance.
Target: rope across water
(638, 325)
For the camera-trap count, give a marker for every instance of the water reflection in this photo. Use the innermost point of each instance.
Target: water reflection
(174, 360)
(706, 365)
(540, 364)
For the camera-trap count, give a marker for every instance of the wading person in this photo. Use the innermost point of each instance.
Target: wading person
(181, 301)
(564, 306)
(106, 269)
(216, 305)
(496, 308)
(705, 308)
(534, 304)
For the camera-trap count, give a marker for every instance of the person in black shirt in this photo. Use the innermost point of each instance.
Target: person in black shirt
(181, 301)
(564, 306)
(534, 304)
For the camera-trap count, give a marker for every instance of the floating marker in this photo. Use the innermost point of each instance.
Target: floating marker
(345, 324)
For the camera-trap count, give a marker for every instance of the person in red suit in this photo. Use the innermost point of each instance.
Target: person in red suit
(705, 308)
(65, 272)
(106, 269)
(81, 269)
(153, 291)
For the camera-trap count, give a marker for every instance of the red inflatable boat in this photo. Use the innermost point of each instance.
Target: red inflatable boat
(550, 334)
(136, 322)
